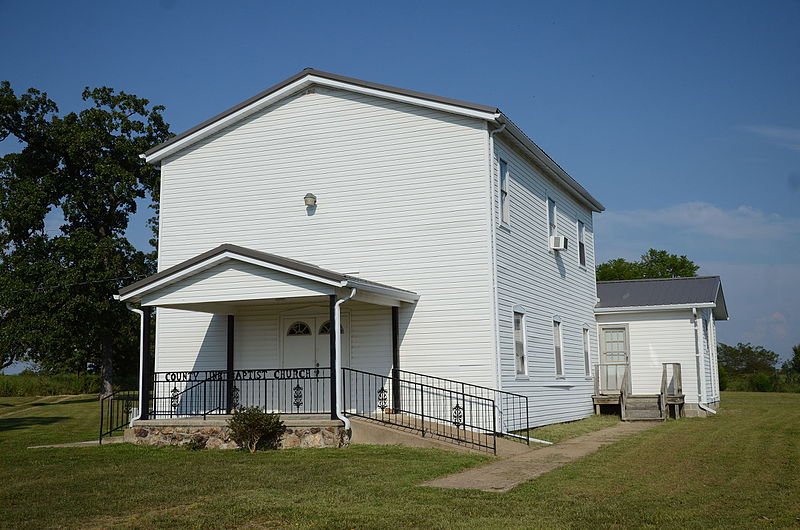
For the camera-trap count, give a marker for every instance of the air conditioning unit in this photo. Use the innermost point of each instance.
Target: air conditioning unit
(558, 242)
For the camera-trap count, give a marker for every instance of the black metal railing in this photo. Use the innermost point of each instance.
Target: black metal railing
(435, 411)
(217, 392)
(512, 409)
(116, 410)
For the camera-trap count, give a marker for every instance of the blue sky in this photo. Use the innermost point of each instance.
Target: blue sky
(683, 118)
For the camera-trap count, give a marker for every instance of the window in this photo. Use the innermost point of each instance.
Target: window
(325, 328)
(505, 215)
(519, 342)
(298, 329)
(558, 347)
(581, 243)
(551, 217)
(587, 363)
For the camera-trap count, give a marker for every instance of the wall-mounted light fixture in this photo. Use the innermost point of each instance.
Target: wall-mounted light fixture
(310, 199)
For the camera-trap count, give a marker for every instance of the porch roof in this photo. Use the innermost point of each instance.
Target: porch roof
(655, 294)
(316, 280)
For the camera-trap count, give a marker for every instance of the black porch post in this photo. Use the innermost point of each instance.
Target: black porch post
(334, 333)
(147, 364)
(230, 405)
(395, 360)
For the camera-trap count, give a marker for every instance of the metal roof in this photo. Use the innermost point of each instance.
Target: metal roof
(660, 292)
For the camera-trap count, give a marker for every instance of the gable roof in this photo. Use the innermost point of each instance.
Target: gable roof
(273, 261)
(662, 293)
(310, 76)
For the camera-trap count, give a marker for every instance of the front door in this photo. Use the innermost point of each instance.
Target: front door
(306, 341)
(613, 357)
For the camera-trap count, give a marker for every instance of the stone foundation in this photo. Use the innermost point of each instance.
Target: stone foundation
(214, 434)
(692, 410)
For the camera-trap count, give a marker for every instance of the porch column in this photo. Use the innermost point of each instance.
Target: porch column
(335, 326)
(395, 360)
(147, 365)
(230, 387)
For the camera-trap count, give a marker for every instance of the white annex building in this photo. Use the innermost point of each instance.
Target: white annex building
(454, 257)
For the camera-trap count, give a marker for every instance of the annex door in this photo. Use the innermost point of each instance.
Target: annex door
(613, 357)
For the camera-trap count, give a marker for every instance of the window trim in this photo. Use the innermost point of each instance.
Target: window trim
(581, 227)
(504, 196)
(558, 352)
(519, 310)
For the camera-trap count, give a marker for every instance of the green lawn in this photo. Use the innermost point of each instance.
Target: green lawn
(740, 468)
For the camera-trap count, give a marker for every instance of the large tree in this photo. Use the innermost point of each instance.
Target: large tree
(83, 170)
(652, 264)
(746, 359)
(792, 366)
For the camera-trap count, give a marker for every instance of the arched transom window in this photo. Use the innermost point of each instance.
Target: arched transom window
(325, 328)
(298, 329)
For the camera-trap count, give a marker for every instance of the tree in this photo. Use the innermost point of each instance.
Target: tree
(56, 304)
(792, 366)
(746, 359)
(652, 264)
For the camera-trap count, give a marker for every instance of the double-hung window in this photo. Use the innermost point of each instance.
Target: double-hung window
(519, 343)
(558, 347)
(581, 243)
(505, 214)
(551, 217)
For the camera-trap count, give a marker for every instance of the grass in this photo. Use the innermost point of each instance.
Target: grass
(564, 431)
(740, 468)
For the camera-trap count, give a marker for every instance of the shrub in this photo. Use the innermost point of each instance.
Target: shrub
(761, 382)
(254, 429)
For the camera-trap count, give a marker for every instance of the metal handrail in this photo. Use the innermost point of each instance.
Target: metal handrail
(437, 411)
(513, 408)
(115, 411)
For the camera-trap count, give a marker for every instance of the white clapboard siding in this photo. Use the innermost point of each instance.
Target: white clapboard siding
(656, 338)
(236, 280)
(546, 285)
(402, 200)
(258, 334)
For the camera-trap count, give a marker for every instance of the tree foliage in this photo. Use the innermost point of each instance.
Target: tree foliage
(746, 359)
(652, 264)
(56, 305)
(792, 366)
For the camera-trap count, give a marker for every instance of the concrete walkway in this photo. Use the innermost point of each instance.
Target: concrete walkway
(503, 474)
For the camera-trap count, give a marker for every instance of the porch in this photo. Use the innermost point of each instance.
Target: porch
(613, 389)
(241, 328)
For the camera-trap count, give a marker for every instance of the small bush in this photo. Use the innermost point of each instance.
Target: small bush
(255, 429)
(761, 382)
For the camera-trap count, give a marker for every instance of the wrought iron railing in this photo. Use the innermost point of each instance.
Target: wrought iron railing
(512, 409)
(217, 392)
(116, 410)
(435, 411)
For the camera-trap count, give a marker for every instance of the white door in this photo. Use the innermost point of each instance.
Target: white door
(306, 341)
(613, 357)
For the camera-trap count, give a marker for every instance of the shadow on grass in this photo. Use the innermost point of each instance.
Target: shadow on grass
(10, 424)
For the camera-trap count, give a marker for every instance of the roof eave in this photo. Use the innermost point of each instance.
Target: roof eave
(549, 165)
(651, 308)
